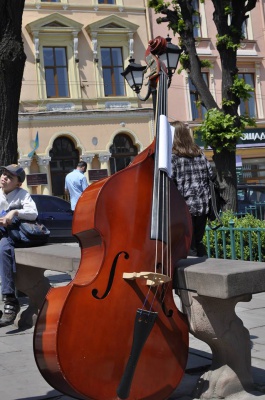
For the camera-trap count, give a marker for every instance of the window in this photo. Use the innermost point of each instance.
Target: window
(106, 2)
(248, 106)
(114, 2)
(56, 74)
(112, 44)
(196, 19)
(50, 1)
(112, 66)
(55, 41)
(198, 111)
(245, 29)
(246, 26)
(122, 153)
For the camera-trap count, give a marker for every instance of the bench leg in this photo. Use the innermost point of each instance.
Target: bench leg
(215, 322)
(35, 285)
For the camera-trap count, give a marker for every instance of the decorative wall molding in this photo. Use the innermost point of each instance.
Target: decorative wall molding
(104, 157)
(25, 162)
(75, 40)
(43, 160)
(94, 41)
(88, 158)
(36, 45)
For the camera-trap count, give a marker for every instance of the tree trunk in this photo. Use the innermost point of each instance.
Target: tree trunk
(12, 62)
(229, 37)
(225, 163)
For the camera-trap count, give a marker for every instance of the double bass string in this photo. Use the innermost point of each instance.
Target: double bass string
(162, 261)
(163, 199)
(166, 263)
(165, 206)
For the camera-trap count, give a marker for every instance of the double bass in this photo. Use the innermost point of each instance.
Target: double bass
(114, 332)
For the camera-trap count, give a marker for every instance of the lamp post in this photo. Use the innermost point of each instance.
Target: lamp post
(167, 55)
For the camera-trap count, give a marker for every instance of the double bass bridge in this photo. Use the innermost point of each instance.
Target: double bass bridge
(152, 278)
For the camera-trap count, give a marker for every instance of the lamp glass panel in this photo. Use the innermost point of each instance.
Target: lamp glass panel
(163, 58)
(173, 60)
(129, 79)
(138, 77)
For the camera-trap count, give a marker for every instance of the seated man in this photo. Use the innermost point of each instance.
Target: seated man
(14, 202)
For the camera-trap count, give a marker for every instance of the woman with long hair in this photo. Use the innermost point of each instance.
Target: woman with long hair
(191, 171)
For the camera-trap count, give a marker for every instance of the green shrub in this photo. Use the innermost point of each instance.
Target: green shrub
(239, 238)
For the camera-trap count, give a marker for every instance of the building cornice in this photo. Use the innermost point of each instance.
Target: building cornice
(98, 115)
(65, 7)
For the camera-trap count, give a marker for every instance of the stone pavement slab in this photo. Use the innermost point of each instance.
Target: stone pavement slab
(20, 378)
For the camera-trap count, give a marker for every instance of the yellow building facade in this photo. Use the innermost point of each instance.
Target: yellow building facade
(74, 103)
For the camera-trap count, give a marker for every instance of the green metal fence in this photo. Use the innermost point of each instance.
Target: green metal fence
(236, 243)
(257, 209)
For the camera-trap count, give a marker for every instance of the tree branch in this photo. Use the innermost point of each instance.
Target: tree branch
(250, 5)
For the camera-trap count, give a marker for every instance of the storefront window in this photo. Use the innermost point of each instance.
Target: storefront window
(253, 170)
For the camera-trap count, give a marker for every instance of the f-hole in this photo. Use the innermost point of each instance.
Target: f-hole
(111, 277)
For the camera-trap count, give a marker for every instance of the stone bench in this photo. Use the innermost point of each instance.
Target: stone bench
(215, 286)
(30, 279)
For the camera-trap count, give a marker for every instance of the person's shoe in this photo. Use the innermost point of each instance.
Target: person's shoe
(11, 309)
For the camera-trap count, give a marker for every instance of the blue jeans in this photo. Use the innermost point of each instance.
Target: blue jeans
(7, 265)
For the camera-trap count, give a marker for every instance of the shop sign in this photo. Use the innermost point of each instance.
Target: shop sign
(37, 179)
(96, 174)
(251, 137)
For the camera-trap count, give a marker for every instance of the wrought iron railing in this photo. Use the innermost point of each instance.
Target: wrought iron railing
(236, 243)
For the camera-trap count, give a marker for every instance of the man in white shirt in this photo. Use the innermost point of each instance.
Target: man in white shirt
(76, 183)
(14, 202)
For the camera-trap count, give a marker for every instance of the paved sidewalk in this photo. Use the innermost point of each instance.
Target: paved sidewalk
(21, 380)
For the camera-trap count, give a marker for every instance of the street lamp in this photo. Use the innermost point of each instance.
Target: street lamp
(170, 58)
(168, 55)
(134, 75)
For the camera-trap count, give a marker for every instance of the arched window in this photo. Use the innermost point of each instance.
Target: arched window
(122, 152)
(64, 158)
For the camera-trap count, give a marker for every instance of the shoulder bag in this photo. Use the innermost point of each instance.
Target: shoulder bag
(26, 233)
(214, 204)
